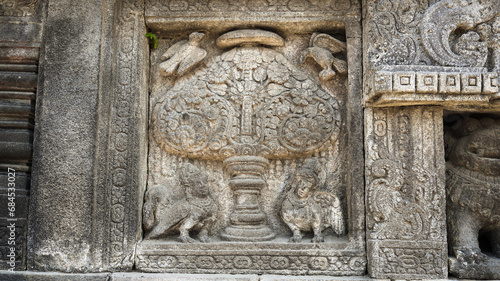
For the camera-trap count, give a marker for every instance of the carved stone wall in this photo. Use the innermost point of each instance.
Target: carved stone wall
(440, 56)
(236, 144)
(249, 107)
(20, 26)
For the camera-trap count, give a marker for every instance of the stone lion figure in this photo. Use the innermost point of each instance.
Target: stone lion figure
(166, 213)
(473, 188)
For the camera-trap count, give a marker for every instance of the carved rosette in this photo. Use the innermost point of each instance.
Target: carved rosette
(248, 105)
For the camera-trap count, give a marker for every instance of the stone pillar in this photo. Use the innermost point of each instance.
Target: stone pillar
(89, 159)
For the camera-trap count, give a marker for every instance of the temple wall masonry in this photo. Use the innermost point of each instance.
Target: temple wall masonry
(250, 140)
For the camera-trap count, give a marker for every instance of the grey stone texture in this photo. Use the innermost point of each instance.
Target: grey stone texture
(229, 102)
(20, 26)
(261, 140)
(91, 121)
(418, 58)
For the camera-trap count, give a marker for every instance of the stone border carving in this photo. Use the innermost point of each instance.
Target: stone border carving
(214, 6)
(433, 85)
(253, 262)
(126, 181)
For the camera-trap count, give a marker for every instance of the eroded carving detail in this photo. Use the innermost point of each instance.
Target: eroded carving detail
(183, 56)
(322, 47)
(250, 6)
(165, 212)
(392, 30)
(17, 8)
(305, 208)
(319, 264)
(440, 23)
(405, 197)
(473, 196)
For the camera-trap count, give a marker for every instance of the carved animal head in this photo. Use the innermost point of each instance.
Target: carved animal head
(475, 145)
(194, 180)
(306, 181)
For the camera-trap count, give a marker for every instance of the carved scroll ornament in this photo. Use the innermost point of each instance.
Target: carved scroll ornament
(445, 18)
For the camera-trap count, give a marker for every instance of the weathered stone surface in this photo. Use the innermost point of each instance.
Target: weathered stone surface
(181, 277)
(52, 276)
(251, 109)
(63, 165)
(143, 153)
(193, 210)
(430, 53)
(406, 229)
(473, 196)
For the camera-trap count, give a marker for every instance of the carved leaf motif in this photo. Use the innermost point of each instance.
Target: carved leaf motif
(248, 96)
(443, 19)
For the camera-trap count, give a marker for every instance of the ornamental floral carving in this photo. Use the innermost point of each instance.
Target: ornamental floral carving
(245, 106)
(249, 96)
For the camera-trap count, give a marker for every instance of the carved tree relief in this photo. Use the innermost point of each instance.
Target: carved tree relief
(248, 105)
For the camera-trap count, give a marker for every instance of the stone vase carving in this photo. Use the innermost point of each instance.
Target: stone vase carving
(248, 105)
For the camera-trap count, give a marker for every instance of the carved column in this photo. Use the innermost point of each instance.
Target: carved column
(405, 197)
(248, 222)
(89, 163)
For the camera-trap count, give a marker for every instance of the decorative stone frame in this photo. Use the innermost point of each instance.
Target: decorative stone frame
(345, 258)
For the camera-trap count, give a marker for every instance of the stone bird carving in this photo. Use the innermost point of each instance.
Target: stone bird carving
(183, 56)
(321, 50)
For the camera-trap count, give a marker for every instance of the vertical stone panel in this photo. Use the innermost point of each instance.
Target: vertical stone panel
(405, 196)
(60, 235)
(126, 125)
(20, 26)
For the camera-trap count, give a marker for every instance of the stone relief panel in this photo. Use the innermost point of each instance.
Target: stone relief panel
(405, 193)
(247, 129)
(473, 196)
(248, 106)
(440, 35)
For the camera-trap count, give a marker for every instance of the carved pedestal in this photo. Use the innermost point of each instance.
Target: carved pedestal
(247, 221)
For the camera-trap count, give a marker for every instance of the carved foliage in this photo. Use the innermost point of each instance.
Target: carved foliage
(392, 30)
(250, 100)
(403, 201)
(405, 198)
(443, 19)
